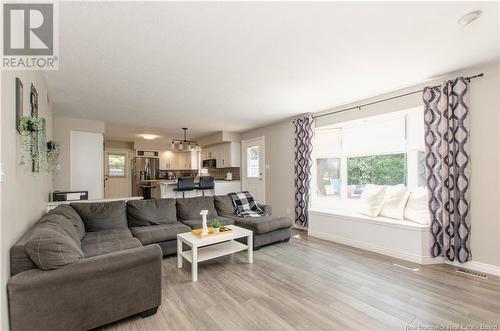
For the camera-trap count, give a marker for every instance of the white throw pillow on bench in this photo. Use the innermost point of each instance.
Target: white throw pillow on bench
(395, 199)
(371, 200)
(417, 209)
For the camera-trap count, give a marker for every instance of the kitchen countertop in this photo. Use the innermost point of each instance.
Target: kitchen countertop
(174, 181)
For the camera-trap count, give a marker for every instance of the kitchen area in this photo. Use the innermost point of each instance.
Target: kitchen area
(155, 173)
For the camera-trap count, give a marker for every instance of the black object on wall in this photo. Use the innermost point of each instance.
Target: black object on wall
(19, 103)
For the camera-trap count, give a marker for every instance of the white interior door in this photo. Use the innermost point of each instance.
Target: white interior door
(253, 170)
(86, 155)
(118, 183)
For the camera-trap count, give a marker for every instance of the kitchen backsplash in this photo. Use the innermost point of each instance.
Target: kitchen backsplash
(217, 173)
(220, 173)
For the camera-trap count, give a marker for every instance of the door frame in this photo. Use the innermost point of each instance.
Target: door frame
(128, 166)
(244, 163)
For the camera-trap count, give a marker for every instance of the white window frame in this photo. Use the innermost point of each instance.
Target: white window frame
(411, 165)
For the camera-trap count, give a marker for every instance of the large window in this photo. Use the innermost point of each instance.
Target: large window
(328, 178)
(385, 149)
(387, 169)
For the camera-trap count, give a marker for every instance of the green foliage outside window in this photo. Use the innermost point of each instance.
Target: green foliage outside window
(377, 169)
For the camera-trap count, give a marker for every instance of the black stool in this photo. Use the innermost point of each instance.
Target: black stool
(184, 184)
(146, 191)
(206, 183)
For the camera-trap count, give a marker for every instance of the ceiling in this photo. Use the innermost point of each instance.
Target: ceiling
(156, 67)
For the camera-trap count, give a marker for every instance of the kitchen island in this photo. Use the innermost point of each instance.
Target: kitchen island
(164, 188)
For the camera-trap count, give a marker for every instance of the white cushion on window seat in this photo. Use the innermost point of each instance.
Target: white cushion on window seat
(395, 199)
(417, 209)
(371, 200)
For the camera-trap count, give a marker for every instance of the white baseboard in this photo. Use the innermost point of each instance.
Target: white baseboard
(374, 248)
(473, 265)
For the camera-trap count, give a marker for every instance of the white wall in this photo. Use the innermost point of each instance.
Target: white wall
(24, 197)
(62, 133)
(279, 165)
(114, 144)
(485, 157)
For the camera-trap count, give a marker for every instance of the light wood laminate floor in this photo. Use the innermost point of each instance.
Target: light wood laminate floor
(311, 284)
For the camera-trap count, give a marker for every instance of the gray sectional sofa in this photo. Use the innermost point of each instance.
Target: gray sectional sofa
(84, 265)
(266, 229)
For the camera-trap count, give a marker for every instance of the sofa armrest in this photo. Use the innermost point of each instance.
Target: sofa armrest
(88, 293)
(267, 208)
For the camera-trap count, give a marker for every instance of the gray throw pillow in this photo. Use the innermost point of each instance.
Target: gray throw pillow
(189, 208)
(224, 204)
(98, 216)
(50, 246)
(151, 212)
(71, 214)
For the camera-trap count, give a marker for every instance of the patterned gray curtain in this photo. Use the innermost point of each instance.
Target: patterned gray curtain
(303, 164)
(448, 168)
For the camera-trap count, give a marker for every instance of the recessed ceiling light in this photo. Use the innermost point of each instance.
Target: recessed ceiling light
(469, 17)
(149, 136)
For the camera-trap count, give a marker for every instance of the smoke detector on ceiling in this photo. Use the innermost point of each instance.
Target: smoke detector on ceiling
(469, 17)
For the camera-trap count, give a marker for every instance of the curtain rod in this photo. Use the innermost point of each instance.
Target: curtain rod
(386, 99)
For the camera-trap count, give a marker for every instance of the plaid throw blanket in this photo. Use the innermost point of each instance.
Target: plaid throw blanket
(245, 205)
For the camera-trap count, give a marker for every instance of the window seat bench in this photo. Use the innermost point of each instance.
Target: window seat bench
(401, 239)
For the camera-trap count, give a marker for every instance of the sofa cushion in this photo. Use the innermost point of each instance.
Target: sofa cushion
(264, 224)
(98, 216)
(151, 212)
(189, 208)
(52, 243)
(106, 235)
(195, 223)
(62, 223)
(107, 247)
(224, 204)
(71, 214)
(157, 233)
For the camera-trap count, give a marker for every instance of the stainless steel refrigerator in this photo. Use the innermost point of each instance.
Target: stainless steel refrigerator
(143, 168)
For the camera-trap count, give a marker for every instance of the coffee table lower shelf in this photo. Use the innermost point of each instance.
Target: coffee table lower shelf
(215, 251)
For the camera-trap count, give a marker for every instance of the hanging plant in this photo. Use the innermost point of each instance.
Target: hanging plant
(53, 150)
(33, 144)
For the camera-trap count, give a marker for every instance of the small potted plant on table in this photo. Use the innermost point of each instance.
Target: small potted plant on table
(216, 224)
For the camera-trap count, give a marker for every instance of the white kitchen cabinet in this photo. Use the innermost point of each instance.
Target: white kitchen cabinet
(228, 155)
(219, 155)
(188, 160)
(204, 154)
(182, 161)
(210, 152)
(194, 162)
(169, 161)
(223, 187)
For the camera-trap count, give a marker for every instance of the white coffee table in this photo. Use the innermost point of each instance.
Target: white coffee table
(203, 249)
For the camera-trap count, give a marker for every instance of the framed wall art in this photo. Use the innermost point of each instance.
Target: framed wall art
(34, 101)
(19, 103)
